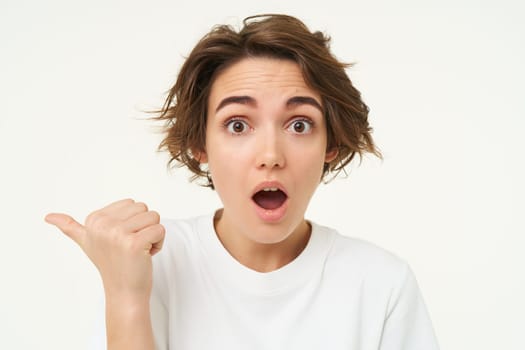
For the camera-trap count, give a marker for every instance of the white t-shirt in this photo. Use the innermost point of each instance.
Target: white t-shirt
(339, 293)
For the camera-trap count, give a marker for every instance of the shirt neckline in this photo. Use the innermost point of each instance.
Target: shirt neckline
(225, 268)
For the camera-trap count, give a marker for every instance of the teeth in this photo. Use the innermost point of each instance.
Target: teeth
(268, 189)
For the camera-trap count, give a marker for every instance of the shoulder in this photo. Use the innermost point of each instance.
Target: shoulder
(355, 258)
(374, 281)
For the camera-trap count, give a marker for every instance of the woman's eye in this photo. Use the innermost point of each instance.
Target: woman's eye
(236, 126)
(301, 126)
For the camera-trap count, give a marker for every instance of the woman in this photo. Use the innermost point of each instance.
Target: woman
(263, 114)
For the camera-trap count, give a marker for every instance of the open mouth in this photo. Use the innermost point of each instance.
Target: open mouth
(270, 198)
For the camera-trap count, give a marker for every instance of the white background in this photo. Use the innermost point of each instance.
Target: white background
(445, 84)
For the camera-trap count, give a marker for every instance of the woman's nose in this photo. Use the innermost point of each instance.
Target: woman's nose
(270, 152)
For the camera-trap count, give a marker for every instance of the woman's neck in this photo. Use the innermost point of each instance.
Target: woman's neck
(261, 257)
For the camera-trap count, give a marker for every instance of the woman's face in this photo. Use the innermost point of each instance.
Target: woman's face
(265, 147)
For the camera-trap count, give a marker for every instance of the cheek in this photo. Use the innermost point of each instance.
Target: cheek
(228, 169)
(311, 155)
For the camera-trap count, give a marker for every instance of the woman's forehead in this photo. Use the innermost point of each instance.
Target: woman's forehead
(261, 76)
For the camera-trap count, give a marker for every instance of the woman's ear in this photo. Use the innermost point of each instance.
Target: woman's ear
(331, 155)
(200, 156)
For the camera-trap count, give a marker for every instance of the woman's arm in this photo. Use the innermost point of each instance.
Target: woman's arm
(128, 324)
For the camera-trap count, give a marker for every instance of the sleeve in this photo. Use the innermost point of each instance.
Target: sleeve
(407, 325)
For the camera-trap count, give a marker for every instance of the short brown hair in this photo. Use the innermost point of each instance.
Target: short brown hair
(275, 36)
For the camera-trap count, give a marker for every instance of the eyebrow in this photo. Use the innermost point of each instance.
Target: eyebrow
(303, 100)
(243, 100)
(248, 100)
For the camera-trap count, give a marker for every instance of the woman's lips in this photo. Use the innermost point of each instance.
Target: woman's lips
(270, 200)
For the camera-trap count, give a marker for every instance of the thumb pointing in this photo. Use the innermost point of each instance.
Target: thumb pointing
(66, 224)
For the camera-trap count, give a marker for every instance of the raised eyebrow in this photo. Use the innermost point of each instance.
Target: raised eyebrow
(248, 100)
(303, 100)
(244, 100)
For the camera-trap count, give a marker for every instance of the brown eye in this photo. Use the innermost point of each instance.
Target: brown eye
(236, 126)
(300, 126)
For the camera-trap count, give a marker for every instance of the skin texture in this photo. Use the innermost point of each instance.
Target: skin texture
(263, 137)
